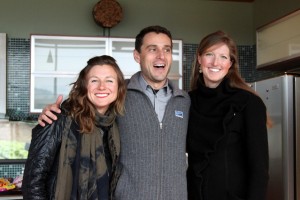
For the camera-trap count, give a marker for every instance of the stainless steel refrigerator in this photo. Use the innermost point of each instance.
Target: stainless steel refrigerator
(282, 98)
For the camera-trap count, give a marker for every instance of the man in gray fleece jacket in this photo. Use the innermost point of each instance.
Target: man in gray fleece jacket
(153, 129)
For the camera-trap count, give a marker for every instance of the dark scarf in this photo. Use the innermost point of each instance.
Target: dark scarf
(208, 109)
(92, 164)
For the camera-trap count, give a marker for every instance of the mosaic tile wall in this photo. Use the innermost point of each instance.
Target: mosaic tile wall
(18, 81)
(11, 170)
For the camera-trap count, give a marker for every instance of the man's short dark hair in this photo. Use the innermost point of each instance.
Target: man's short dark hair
(156, 29)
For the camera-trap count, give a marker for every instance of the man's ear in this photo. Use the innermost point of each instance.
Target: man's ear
(136, 56)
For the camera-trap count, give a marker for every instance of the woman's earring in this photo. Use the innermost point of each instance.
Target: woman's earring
(200, 70)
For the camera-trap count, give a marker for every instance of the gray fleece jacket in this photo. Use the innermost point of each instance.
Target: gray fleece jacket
(152, 153)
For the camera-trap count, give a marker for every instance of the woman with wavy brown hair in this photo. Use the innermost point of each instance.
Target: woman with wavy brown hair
(76, 156)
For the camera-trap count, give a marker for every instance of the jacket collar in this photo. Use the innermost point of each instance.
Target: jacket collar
(133, 84)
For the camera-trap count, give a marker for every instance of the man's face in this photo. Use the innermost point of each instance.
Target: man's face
(155, 58)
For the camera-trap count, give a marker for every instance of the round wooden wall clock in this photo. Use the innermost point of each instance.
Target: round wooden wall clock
(107, 13)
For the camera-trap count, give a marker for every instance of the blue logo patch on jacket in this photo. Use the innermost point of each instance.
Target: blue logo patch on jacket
(178, 113)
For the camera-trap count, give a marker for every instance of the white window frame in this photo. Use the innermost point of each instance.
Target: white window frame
(120, 48)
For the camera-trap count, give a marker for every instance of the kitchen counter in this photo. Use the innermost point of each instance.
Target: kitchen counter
(6, 197)
(11, 194)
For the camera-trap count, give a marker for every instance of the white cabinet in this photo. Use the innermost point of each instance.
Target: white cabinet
(57, 60)
(278, 44)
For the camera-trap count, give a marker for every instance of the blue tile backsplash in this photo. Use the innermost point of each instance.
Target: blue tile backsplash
(18, 79)
(11, 170)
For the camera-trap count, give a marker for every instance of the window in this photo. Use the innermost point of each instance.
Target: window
(57, 60)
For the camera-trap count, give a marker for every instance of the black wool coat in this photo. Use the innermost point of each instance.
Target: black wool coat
(41, 168)
(227, 145)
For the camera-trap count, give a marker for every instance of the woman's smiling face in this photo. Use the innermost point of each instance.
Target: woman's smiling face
(215, 63)
(102, 86)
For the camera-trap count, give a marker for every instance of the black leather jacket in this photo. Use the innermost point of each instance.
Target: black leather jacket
(40, 174)
(42, 161)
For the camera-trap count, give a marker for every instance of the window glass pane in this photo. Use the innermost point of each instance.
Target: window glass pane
(57, 60)
(68, 55)
(48, 88)
(123, 52)
(176, 69)
(177, 81)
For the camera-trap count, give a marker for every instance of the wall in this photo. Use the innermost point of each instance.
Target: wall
(188, 20)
